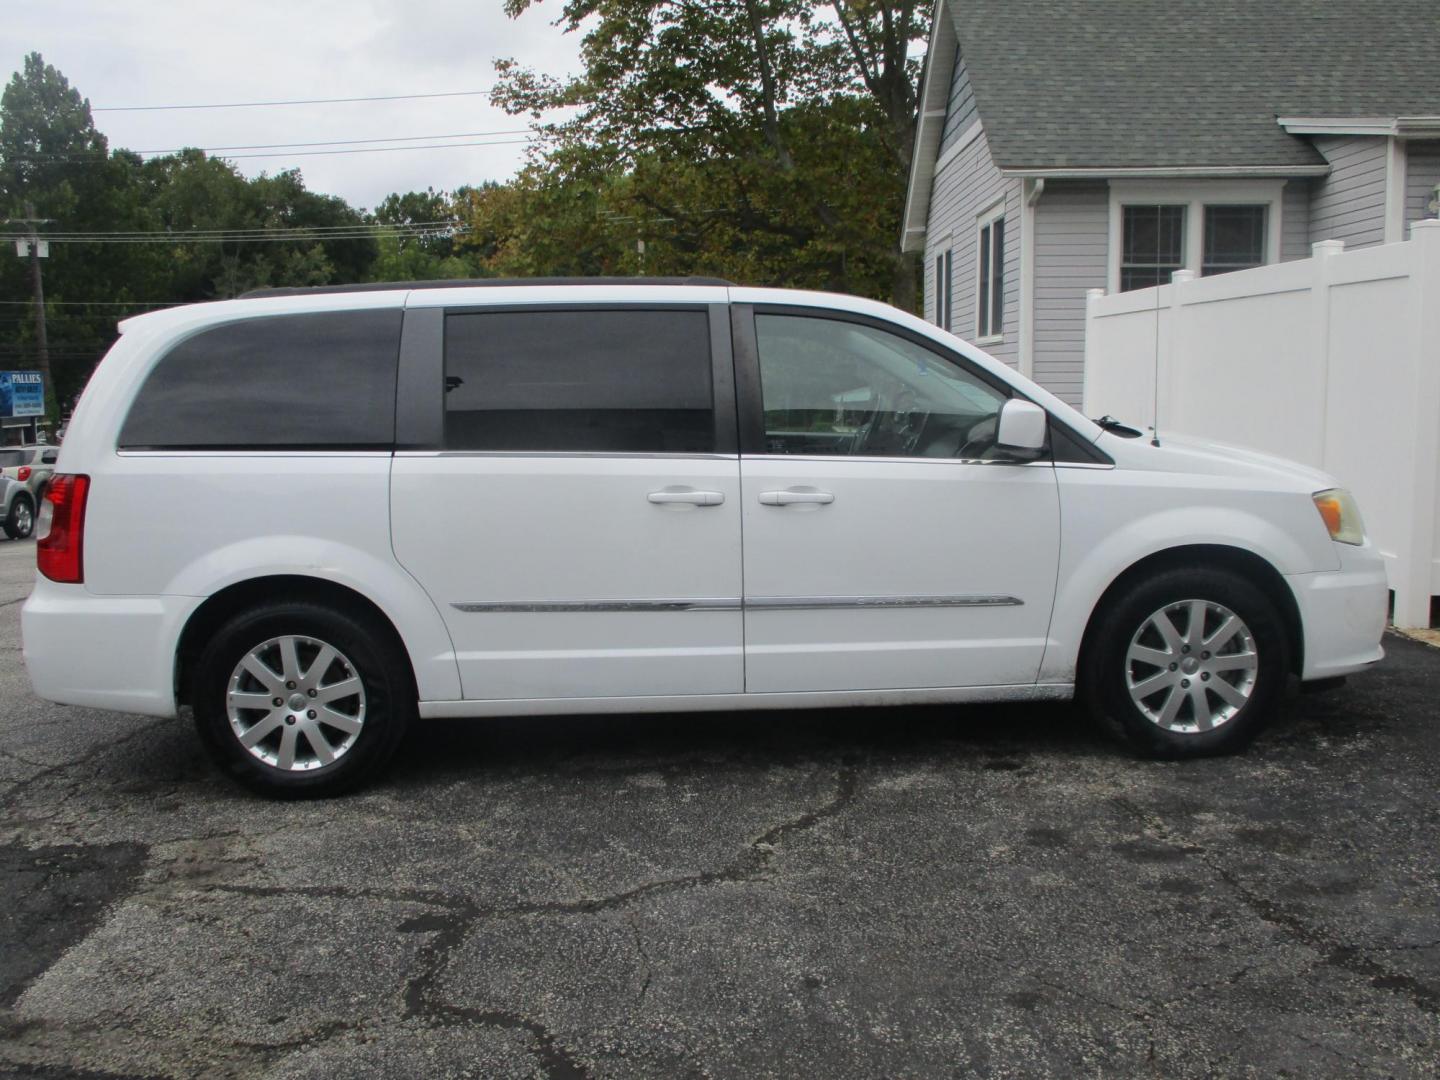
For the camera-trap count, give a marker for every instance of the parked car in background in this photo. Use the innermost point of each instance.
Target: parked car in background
(316, 515)
(28, 470)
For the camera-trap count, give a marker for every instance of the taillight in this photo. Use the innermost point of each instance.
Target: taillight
(60, 531)
(24, 473)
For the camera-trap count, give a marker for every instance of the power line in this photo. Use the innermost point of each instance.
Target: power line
(227, 240)
(99, 303)
(9, 362)
(354, 142)
(255, 229)
(238, 234)
(240, 240)
(300, 153)
(87, 156)
(306, 101)
(328, 233)
(380, 149)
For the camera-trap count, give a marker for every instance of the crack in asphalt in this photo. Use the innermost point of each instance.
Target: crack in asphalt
(235, 1057)
(12, 756)
(644, 990)
(1354, 1062)
(273, 1051)
(457, 917)
(13, 794)
(1333, 951)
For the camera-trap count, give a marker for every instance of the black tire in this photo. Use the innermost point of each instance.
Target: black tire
(20, 521)
(1108, 670)
(367, 648)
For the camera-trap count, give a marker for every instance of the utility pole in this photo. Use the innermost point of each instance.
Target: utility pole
(37, 249)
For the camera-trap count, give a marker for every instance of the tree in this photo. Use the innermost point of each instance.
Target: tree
(430, 257)
(781, 129)
(53, 165)
(46, 131)
(54, 160)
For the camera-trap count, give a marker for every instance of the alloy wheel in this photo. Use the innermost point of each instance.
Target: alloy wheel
(1191, 666)
(296, 703)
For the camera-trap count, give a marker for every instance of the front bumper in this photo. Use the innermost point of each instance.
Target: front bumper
(104, 652)
(1343, 613)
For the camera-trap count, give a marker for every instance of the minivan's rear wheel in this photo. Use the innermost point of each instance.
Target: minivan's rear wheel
(20, 522)
(301, 698)
(1187, 663)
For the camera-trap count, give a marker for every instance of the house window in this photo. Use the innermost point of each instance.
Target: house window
(1234, 238)
(1205, 226)
(1153, 246)
(949, 291)
(939, 290)
(943, 296)
(990, 272)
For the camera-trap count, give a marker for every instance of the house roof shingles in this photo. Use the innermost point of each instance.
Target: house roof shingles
(1188, 83)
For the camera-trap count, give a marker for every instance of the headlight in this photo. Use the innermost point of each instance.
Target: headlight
(1341, 515)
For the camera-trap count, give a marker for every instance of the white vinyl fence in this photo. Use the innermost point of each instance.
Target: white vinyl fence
(1333, 361)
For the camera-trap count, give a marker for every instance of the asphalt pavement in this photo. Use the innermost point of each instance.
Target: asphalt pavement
(988, 891)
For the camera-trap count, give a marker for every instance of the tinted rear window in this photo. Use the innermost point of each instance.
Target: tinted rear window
(623, 381)
(10, 458)
(286, 382)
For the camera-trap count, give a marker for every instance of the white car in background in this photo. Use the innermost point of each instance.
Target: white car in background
(25, 473)
(620, 496)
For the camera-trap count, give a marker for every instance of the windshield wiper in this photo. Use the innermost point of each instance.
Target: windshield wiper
(1115, 427)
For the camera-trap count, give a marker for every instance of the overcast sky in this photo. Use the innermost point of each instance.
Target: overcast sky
(179, 52)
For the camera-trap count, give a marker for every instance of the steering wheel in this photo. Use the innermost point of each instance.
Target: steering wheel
(879, 408)
(909, 421)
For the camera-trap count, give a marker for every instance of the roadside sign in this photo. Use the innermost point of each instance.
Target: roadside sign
(22, 393)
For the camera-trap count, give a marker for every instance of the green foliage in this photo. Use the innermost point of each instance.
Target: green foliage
(54, 164)
(422, 258)
(766, 140)
(761, 140)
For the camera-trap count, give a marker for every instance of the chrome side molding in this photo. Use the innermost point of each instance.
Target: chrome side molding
(569, 606)
(757, 603)
(813, 603)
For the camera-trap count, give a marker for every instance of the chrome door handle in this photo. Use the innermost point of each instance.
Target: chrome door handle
(788, 498)
(694, 498)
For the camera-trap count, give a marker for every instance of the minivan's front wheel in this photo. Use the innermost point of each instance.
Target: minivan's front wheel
(297, 699)
(1187, 663)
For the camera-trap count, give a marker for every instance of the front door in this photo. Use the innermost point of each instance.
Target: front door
(579, 530)
(888, 544)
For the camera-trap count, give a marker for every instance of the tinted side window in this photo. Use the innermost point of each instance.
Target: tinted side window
(623, 381)
(831, 387)
(287, 382)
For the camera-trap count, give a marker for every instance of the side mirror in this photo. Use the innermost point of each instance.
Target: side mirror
(49, 457)
(1023, 429)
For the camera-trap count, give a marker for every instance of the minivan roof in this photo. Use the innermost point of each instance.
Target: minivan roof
(471, 283)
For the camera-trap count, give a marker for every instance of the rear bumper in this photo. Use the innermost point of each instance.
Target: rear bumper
(1343, 613)
(104, 652)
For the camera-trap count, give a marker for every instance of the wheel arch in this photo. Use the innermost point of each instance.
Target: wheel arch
(1255, 569)
(223, 605)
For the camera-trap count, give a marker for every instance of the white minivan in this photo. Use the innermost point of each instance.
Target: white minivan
(313, 516)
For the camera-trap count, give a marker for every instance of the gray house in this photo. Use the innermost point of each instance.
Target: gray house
(1066, 145)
